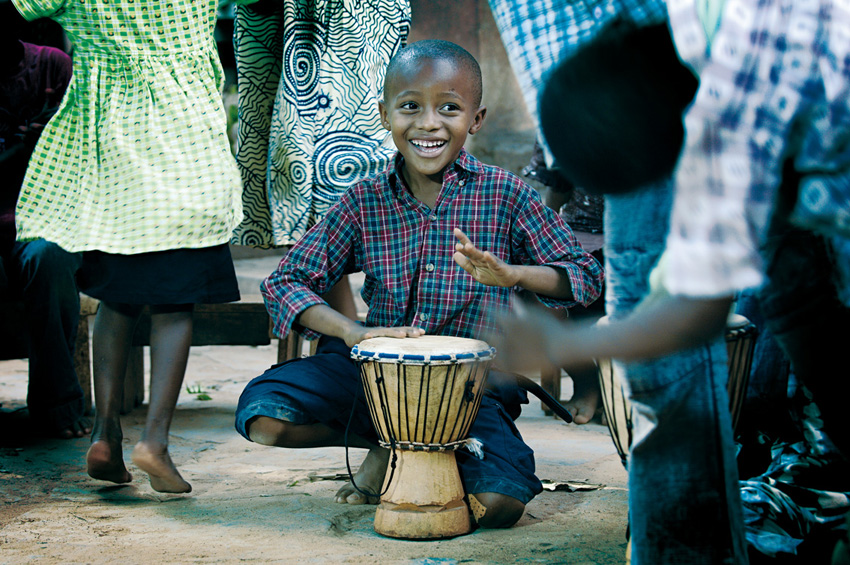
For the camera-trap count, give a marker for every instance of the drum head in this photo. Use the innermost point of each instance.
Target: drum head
(428, 348)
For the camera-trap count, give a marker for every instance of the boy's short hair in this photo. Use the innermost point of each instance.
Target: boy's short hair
(612, 113)
(437, 49)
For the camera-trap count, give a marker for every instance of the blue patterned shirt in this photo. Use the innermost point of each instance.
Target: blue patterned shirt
(405, 250)
(537, 34)
(775, 87)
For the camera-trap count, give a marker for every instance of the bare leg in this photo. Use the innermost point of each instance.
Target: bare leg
(171, 337)
(369, 477)
(111, 340)
(586, 395)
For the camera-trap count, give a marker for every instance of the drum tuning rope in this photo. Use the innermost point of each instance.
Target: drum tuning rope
(393, 456)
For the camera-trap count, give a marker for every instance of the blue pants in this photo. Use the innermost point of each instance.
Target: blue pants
(324, 387)
(684, 501)
(43, 274)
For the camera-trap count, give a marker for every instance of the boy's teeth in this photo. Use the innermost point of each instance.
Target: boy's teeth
(428, 143)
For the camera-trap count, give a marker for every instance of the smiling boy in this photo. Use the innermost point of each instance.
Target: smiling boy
(411, 231)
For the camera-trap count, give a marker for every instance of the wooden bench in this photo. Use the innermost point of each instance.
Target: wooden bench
(235, 323)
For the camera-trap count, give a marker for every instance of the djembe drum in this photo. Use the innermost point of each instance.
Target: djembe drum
(423, 395)
(740, 342)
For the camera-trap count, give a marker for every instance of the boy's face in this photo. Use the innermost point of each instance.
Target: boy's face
(430, 108)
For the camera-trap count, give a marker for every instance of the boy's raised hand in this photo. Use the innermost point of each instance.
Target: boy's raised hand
(485, 267)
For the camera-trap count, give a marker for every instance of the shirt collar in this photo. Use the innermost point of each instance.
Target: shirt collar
(463, 167)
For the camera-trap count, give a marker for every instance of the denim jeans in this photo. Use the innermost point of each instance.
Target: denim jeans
(684, 501)
(44, 275)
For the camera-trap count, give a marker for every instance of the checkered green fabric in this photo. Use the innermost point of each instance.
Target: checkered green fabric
(137, 158)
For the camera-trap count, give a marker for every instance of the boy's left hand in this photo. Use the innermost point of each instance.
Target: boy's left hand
(485, 267)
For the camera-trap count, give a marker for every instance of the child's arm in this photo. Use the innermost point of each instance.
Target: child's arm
(325, 320)
(488, 269)
(657, 328)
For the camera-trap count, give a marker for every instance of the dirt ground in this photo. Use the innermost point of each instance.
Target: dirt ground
(267, 505)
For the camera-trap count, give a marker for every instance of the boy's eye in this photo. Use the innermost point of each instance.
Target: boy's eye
(408, 106)
(451, 108)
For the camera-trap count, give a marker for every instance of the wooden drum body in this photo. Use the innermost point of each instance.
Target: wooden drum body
(423, 395)
(740, 343)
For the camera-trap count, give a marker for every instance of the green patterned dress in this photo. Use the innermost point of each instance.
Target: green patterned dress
(137, 157)
(310, 74)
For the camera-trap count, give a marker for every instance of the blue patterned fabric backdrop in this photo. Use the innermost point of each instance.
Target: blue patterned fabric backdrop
(310, 75)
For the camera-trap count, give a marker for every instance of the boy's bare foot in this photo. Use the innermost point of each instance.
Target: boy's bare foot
(105, 462)
(369, 478)
(156, 462)
(585, 400)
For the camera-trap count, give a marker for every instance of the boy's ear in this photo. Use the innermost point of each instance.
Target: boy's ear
(478, 121)
(385, 121)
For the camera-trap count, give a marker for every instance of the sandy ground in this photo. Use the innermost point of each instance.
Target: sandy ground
(258, 504)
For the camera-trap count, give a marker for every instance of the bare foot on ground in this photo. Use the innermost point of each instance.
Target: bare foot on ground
(106, 463)
(80, 428)
(156, 462)
(585, 400)
(369, 478)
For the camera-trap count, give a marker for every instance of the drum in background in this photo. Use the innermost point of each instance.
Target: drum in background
(616, 406)
(423, 395)
(740, 343)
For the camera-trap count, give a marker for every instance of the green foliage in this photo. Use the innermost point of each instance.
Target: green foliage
(198, 391)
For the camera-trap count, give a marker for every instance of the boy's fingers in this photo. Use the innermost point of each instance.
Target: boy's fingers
(491, 260)
(404, 331)
(462, 259)
(461, 237)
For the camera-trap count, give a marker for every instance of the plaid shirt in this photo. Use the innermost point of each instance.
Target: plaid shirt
(539, 33)
(775, 87)
(405, 250)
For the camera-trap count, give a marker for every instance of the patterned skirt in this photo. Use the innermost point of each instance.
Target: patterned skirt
(176, 276)
(309, 76)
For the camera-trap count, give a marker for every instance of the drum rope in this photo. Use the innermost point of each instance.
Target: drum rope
(473, 445)
(393, 455)
(380, 411)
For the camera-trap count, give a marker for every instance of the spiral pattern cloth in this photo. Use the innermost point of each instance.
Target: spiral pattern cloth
(310, 74)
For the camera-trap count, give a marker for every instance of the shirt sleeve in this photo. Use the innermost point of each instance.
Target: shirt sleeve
(311, 268)
(541, 237)
(35, 9)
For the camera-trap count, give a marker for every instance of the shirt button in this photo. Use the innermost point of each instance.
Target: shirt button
(429, 267)
(461, 183)
(597, 12)
(424, 317)
(433, 217)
